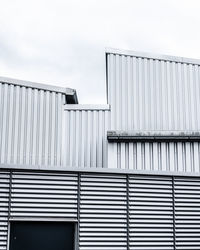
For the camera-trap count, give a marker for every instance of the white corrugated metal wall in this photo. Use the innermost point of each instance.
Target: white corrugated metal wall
(84, 135)
(36, 128)
(114, 211)
(30, 125)
(156, 156)
(153, 94)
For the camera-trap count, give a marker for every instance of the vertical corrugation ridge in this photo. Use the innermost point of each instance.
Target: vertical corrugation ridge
(164, 156)
(85, 138)
(154, 94)
(170, 103)
(30, 126)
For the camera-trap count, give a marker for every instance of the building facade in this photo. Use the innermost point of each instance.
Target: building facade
(124, 175)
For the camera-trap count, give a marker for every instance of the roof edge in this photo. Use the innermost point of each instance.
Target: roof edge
(77, 169)
(66, 91)
(153, 56)
(103, 107)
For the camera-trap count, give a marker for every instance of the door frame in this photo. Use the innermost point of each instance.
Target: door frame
(30, 219)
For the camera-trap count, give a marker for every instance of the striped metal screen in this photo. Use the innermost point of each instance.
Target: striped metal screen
(113, 211)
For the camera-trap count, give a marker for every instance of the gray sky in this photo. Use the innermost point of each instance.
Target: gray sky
(62, 42)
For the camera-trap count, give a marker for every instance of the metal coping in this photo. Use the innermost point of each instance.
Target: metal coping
(87, 107)
(147, 55)
(71, 93)
(51, 219)
(152, 136)
(63, 169)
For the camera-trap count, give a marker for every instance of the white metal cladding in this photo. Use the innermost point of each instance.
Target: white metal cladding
(151, 213)
(84, 136)
(114, 211)
(187, 212)
(153, 94)
(103, 212)
(4, 208)
(155, 156)
(30, 125)
(43, 195)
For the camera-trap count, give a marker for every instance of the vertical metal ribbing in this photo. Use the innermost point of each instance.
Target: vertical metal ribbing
(78, 208)
(174, 213)
(127, 209)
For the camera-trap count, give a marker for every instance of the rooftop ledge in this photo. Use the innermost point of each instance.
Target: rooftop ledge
(153, 136)
(153, 56)
(68, 92)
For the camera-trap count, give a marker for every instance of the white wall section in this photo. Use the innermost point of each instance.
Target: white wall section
(147, 93)
(155, 156)
(30, 125)
(85, 135)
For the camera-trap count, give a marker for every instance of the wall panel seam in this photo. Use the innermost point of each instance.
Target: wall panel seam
(127, 211)
(78, 208)
(174, 214)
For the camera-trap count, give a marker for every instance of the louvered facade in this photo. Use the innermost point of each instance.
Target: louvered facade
(111, 211)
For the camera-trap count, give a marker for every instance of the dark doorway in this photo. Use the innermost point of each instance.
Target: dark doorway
(41, 236)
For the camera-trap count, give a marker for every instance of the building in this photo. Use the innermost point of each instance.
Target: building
(125, 175)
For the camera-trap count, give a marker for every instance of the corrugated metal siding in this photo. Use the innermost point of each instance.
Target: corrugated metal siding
(152, 94)
(151, 213)
(84, 138)
(103, 219)
(180, 156)
(30, 125)
(4, 208)
(114, 211)
(187, 211)
(172, 156)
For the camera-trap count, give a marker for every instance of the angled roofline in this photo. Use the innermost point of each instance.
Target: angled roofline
(153, 56)
(68, 92)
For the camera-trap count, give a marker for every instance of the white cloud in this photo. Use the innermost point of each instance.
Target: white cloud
(62, 42)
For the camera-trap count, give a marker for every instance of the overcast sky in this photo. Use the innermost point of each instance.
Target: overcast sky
(62, 42)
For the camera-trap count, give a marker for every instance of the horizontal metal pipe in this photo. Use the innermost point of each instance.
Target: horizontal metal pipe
(120, 136)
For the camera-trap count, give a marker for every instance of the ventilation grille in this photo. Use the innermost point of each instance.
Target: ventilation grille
(103, 216)
(187, 210)
(151, 213)
(44, 195)
(4, 208)
(115, 212)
